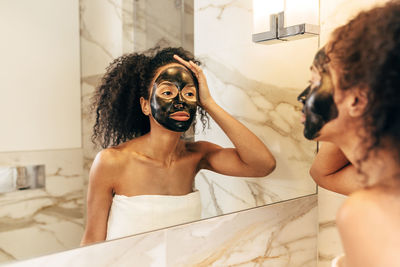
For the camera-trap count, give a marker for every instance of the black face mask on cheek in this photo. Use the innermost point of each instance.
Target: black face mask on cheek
(319, 107)
(163, 109)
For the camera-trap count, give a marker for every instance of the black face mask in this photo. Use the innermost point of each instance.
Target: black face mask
(173, 100)
(318, 105)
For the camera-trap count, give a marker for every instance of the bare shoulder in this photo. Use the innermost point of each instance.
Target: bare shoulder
(118, 155)
(107, 158)
(369, 226)
(377, 201)
(105, 165)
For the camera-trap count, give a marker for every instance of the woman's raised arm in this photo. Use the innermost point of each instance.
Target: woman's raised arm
(333, 171)
(250, 157)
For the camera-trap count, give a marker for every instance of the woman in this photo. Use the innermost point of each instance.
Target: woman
(352, 104)
(144, 180)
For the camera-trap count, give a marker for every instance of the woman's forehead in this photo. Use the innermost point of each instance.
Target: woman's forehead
(171, 65)
(162, 69)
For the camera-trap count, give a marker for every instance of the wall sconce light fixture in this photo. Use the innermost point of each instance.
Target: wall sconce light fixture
(288, 20)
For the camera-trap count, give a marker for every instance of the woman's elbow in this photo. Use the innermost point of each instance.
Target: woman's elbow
(315, 174)
(319, 178)
(266, 168)
(271, 166)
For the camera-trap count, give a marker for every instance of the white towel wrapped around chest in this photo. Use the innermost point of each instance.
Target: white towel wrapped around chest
(137, 214)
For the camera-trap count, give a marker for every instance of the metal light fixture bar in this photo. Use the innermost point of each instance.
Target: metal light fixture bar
(278, 33)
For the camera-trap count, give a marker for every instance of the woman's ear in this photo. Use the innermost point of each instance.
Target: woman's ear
(358, 102)
(145, 105)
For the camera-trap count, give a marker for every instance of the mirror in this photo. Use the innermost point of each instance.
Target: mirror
(257, 84)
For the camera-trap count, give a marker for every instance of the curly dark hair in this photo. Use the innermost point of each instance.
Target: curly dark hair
(366, 52)
(119, 116)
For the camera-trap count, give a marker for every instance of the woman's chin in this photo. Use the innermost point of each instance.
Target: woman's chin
(310, 134)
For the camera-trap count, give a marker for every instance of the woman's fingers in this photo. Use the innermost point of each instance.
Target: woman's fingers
(194, 65)
(189, 64)
(181, 60)
(204, 93)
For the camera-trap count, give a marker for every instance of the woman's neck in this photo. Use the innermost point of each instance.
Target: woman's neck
(163, 144)
(379, 164)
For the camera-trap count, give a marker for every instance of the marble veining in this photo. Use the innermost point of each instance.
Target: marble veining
(152, 28)
(265, 236)
(87, 36)
(236, 71)
(272, 113)
(221, 6)
(53, 215)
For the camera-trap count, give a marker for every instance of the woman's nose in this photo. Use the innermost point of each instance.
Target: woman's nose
(178, 104)
(179, 101)
(303, 96)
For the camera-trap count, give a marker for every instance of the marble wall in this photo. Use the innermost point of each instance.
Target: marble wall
(333, 14)
(45, 127)
(42, 221)
(153, 28)
(258, 84)
(265, 236)
(106, 33)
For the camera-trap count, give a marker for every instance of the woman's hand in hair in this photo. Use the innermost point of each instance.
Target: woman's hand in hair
(204, 93)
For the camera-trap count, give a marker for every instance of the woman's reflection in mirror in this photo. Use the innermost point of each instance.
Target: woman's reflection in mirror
(143, 178)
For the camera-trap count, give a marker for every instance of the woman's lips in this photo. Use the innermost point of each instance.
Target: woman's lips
(302, 118)
(180, 116)
(303, 115)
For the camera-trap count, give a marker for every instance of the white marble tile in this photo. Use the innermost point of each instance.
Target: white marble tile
(154, 28)
(221, 36)
(40, 239)
(101, 34)
(188, 26)
(265, 236)
(21, 204)
(258, 85)
(40, 221)
(128, 26)
(141, 250)
(88, 119)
